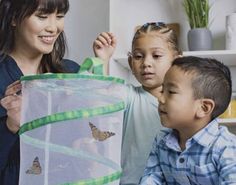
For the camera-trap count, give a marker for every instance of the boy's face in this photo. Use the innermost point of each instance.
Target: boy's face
(151, 58)
(177, 106)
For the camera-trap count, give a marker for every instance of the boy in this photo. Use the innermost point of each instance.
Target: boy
(195, 150)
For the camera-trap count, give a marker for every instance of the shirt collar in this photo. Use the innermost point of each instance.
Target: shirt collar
(207, 135)
(171, 140)
(204, 137)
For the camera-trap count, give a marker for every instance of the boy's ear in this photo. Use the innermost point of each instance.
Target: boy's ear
(205, 108)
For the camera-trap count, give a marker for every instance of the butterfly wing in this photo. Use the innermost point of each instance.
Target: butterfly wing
(100, 135)
(35, 168)
(105, 135)
(95, 131)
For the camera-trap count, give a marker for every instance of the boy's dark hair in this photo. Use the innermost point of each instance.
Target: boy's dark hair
(16, 11)
(212, 80)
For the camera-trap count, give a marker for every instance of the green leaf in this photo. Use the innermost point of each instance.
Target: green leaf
(197, 12)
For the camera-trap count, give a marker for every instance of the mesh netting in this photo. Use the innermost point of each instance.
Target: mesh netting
(71, 129)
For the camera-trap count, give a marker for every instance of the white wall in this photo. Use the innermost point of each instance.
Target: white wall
(84, 21)
(219, 10)
(87, 18)
(138, 12)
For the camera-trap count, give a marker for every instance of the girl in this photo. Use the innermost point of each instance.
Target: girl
(154, 47)
(32, 42)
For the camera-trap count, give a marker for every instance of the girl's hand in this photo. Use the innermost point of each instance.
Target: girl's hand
(104, 46)
(12, 103)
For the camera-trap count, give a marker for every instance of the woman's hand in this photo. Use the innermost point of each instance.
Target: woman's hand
(12, 103)
(104, 46)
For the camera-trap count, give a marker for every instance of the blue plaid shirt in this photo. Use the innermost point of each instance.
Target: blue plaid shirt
(209, 159)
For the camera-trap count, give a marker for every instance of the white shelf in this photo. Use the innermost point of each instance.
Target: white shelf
(228, 57)
(123, 61)
(228, 121)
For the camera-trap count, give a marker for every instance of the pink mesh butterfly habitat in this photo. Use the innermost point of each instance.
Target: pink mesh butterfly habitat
(71, 129)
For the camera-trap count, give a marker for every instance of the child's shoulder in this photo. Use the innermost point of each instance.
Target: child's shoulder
(225, 139)
(132, 88)
(225, 134)
(133, 92)
(138, 92)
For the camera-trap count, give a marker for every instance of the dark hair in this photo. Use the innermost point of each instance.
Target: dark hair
(168, 34)
(17, 11)
(212, 79)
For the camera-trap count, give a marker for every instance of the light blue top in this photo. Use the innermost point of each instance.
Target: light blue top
(209, 159)
(141, 125)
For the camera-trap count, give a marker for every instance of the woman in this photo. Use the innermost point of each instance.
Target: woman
(31, 42)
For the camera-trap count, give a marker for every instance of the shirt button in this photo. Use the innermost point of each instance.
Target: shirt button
(181, 160)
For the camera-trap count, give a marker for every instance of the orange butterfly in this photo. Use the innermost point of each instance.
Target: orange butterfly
(35, 168)
(100, 135)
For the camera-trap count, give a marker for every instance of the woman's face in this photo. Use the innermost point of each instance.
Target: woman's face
(38, 33)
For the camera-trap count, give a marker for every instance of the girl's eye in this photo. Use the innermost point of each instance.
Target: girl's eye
(156, 56)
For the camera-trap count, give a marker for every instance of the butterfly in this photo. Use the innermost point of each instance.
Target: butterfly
(100, 135)
(35, 168)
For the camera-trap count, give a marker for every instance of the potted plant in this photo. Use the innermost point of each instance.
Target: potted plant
(199, 36)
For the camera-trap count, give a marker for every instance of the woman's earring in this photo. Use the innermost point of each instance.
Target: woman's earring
(13, 23)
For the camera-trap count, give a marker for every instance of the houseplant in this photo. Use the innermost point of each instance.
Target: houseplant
(199, 36)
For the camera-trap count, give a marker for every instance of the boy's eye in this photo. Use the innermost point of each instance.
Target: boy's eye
(172, 92)
(137, 57)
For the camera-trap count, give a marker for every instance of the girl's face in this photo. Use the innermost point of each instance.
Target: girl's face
(38, 33)
(151, 58)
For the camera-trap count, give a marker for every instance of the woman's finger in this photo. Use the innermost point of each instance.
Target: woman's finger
(13, 84)
(11, 101)
(13, 88)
